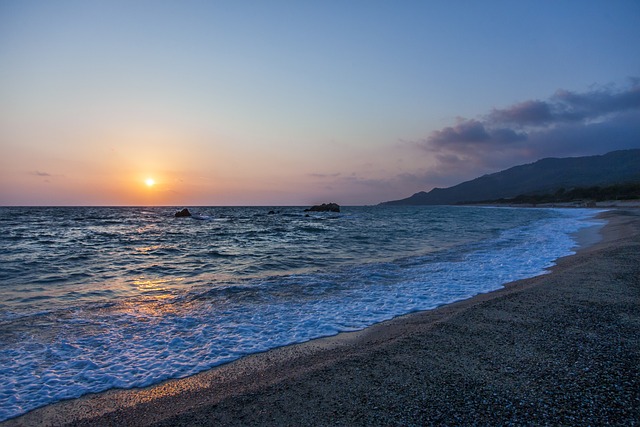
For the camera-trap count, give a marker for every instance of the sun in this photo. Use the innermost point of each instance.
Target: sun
(150, 182)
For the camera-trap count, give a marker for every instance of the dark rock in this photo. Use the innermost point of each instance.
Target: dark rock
(183, 213)
(271, 213)
(325, 207)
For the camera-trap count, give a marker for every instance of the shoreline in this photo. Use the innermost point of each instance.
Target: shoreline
(450, 365)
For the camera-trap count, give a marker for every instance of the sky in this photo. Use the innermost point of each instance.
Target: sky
(283, 102)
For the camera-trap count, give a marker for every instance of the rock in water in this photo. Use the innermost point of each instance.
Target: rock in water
(183, 213)
(325, 207)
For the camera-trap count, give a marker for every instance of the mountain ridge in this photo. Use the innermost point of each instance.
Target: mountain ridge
(546, 175)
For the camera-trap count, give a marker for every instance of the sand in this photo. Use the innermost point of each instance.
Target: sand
(561, 348)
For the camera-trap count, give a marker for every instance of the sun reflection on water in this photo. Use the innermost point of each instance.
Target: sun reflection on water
(159, 289)
(146, 249)
(156, 298)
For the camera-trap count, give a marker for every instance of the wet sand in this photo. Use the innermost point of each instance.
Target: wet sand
(561, 348)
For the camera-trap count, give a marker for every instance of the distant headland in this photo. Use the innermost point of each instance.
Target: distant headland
(615, 175)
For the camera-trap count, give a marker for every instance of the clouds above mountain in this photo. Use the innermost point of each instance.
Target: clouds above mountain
(566, 124)
(566, 106)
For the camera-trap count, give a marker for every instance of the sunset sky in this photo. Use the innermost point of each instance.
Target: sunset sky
(300, 102)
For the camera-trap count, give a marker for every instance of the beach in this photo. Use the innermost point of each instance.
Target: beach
(560, 348)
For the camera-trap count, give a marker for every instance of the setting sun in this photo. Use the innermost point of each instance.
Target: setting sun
(150, 182)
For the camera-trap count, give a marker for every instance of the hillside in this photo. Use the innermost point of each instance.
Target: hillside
(542, 177)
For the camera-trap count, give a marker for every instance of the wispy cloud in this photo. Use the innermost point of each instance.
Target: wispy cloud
(46, 176)
(324, 175)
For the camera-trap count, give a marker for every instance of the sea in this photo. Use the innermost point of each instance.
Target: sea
(95, 298)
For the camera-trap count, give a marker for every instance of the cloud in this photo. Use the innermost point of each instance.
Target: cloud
(621, 131)
(566, 106)
(323, 175)
(465, 131)
(46, 176)
(597, 103)
(506, 136)
(524, 113)
(567, 123)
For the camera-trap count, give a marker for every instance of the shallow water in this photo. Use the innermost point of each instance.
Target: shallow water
(96, 298)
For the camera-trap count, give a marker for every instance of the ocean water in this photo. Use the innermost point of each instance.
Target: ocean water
(98, 298)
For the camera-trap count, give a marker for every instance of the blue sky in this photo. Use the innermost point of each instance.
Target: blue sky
(299, 102)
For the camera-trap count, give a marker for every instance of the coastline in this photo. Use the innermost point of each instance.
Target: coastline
(557, 348)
